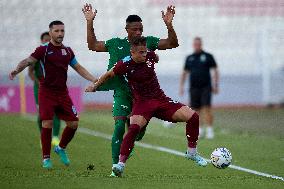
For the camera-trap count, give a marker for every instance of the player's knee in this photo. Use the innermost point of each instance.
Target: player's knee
(47, 123)
(72, 124)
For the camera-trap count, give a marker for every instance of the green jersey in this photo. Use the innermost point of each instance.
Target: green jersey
(118, 49)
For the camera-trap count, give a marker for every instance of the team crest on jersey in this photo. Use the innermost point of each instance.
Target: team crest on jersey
(64, 53)
(203, 58)
(149, 63)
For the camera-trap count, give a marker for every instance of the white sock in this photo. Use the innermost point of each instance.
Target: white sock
(209, 129)
(191, 151)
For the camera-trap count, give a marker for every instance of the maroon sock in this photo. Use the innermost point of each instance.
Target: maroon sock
(128, 142)
(192, 130)
(46, 142)
(67, 136)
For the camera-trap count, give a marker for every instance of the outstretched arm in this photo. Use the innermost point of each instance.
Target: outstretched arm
(84, 73)
(93, 43)
(31, 73)
(184, 75)
(21, 66)
(171, 41)
(93, 87)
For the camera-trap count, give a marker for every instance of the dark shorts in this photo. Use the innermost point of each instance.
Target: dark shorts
(159, 108)
(59, 103)
(200, 97)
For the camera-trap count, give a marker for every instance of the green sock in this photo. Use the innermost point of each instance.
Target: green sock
(56, 126)
(119, 129)
(39, 123)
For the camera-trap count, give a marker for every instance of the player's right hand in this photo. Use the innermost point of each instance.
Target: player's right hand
(13, 74)
(91, 88)
(88, 12)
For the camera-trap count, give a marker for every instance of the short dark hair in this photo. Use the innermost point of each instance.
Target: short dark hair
(198, 39)
(138, 41)
(43, 34)
(133, 18)
(55, 22)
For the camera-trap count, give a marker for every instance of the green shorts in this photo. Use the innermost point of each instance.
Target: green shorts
(122, 103)
(122, 99)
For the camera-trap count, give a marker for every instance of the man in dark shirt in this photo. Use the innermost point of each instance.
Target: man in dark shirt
(198, 66)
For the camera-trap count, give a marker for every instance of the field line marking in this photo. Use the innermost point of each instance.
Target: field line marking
(175, 152)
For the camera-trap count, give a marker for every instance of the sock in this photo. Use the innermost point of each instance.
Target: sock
(141, 133)
(128, 142)
(56, 126)
(46, 142)
(39, 123)
(117, 137)
(67, 136)
(192, 130)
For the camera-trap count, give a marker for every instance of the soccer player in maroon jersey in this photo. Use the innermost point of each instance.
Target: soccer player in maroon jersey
(54, 98)
(149, 101)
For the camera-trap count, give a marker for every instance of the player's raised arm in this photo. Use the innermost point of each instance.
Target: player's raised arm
(21, 66)
(171, 41)
(93, 43)
(93, 87)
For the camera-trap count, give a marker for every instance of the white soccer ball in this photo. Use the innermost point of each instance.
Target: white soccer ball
(221, 158)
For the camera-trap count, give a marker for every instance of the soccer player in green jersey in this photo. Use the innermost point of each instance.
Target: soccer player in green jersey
(34, 74)
(118, 49)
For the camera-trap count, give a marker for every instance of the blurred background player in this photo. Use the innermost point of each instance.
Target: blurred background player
(118, 49)
(54, 97)
(35, 74)
(149, 100)
(198, 66)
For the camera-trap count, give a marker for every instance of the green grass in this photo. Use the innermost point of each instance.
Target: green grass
(255, 138)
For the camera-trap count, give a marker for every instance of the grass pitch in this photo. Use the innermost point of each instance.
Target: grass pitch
(254, 137)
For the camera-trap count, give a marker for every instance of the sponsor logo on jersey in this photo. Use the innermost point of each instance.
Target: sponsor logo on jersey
(120, 48)
(173, 101)
(74, 110)
(50, 52)
(202, 58)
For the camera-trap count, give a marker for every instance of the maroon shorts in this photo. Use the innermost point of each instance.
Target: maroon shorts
(160, 108)
(56, 102)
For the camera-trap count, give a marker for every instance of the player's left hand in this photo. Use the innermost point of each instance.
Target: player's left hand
(168, 17)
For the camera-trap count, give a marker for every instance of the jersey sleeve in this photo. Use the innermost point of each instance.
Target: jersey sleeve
(212, 62)
(73, 60)
(152, 42)
(110, 43)
(187, 66)
(39, 52)
(120, 68)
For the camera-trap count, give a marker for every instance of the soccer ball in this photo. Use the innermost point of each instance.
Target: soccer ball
(221, 158)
